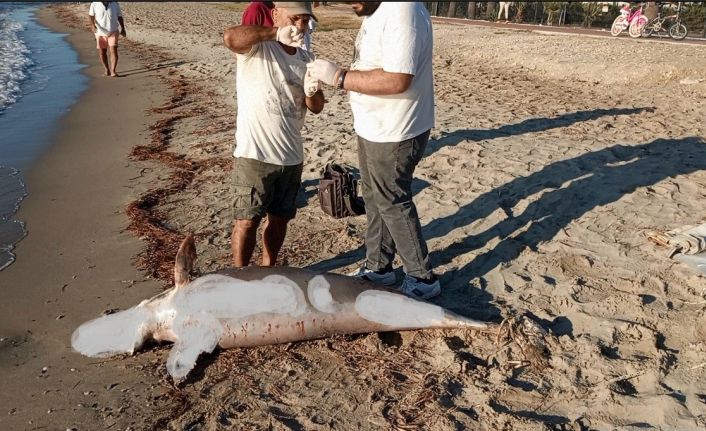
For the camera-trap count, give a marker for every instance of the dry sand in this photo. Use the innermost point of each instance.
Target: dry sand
(552, 157)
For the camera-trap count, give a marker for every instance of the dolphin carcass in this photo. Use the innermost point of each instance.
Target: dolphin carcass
(256, 306)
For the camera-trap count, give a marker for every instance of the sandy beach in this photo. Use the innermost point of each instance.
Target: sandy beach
(552, 159)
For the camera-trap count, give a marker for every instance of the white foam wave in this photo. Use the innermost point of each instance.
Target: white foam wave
(15, 60)
(12, 191)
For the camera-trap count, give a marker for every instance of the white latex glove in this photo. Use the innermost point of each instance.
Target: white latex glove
(311, 85)
(323, 70)
(290, 35)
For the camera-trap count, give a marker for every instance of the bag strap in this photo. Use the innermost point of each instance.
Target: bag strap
(354, 208)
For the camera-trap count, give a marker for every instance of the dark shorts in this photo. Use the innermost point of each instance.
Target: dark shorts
(261, 188)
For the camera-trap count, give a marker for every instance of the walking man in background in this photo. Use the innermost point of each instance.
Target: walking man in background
(504, 5)
(273, 95)
(106, 19)
(392, 98)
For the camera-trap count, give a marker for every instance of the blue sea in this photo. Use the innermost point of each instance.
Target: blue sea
(40, 78)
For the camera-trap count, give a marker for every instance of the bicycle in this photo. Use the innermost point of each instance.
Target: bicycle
(676, 30)
(632, 20)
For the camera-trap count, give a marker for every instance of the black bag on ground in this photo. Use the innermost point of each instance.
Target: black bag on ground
(338, 193)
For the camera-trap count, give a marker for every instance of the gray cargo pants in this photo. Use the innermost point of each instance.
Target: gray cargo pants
(386, 170)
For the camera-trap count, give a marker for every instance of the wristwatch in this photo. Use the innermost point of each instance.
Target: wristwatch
(341, 78)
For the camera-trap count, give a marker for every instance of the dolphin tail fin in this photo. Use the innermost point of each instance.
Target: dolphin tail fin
(184, 261)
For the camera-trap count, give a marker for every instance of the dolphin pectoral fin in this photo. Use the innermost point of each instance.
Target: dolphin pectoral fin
(195, 335)
(397, 311)
(319, 293)
(401, 312)
(184, 261)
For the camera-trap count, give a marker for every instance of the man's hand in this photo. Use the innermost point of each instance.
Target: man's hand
(290, 35)
(324, 70)
(311, 85)
(94, 29)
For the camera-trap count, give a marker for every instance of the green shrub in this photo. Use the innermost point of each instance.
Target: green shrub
(694, 16)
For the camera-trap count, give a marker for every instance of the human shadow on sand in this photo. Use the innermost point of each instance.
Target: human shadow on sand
(595, 179)
(153, 67)
(530, 125)
(527, 126)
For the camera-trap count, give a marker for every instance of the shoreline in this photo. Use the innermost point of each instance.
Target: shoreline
(77, 256)
(52, 83)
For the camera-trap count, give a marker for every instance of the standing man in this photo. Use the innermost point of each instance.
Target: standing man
(392, 99)
(105, 17)
(273, 95)
(504, 5)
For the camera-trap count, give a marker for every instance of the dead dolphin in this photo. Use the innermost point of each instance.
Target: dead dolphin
(256, 306)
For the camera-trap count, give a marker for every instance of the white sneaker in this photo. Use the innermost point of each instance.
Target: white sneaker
(386, 278)
(418, 289)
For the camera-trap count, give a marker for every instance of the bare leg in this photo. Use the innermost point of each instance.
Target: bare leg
(103, 55)
(113, 60)
(272, 239)
(242, 241)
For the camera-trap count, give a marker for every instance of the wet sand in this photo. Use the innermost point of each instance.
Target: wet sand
(77, 257)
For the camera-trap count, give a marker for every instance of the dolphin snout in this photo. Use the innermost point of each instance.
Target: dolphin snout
(122, 332)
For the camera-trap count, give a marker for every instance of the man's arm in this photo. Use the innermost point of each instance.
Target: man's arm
(316, 102)
(240, 39)
(122, 26)
(376, 82)
(93, 23)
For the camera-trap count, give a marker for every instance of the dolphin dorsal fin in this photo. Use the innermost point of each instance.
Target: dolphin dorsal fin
(184, 261)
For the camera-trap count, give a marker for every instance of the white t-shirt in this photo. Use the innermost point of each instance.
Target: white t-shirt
(106, 18)
(397, 38)
(271, 104)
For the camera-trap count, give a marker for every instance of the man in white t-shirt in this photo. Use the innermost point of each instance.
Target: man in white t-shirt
(106, 19)
(273, 95)
(392, 98)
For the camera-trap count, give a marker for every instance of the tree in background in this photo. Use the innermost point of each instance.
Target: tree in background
(471, 12)
(452, 9)
(591, 12)
(490, 11)
(520, 9)
(651, 10)
(694, 16)
(552, 10)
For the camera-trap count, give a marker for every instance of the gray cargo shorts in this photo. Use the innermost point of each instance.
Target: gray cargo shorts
(261, 188)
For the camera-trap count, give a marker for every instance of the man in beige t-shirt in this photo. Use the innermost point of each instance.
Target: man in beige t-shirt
(273, 95)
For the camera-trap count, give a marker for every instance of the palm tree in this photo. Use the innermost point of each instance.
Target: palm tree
(452, 9)
(471, 10)
(552, 8)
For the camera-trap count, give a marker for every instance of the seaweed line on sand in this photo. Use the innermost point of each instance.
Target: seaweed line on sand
(146, 220)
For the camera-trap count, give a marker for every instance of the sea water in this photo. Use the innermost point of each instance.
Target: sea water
(40, 78)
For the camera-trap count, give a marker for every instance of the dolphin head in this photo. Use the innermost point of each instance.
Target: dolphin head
(125, 331)
(121, 332)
